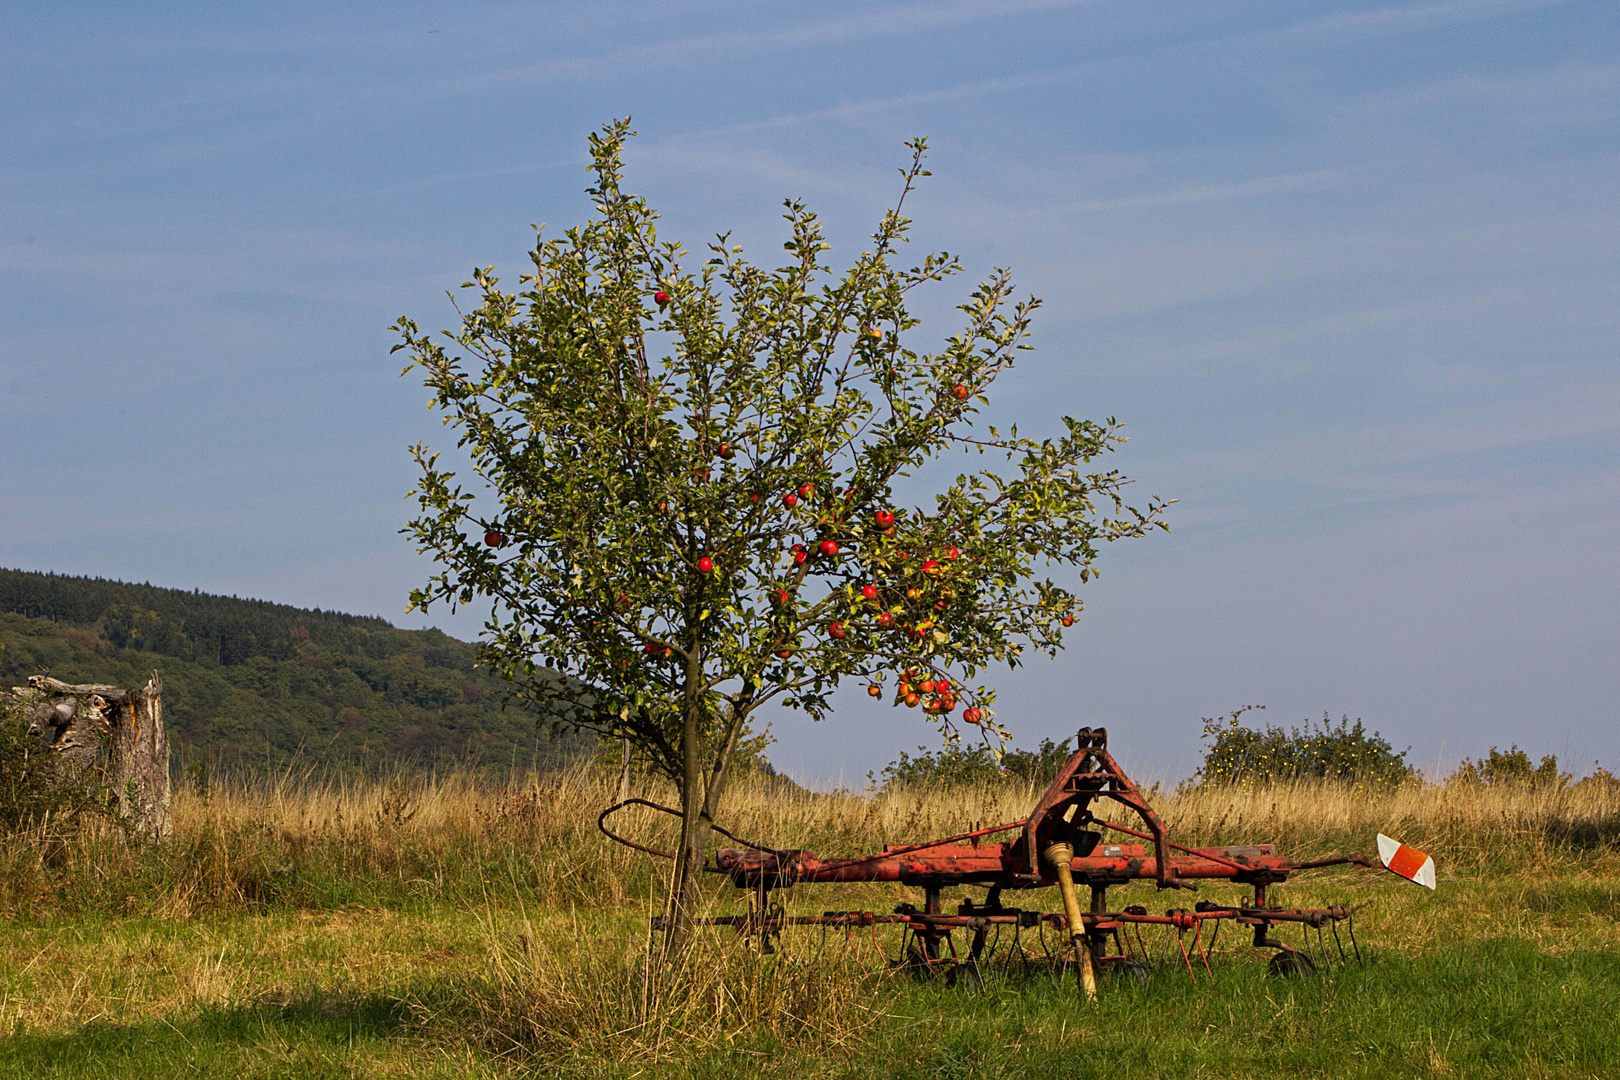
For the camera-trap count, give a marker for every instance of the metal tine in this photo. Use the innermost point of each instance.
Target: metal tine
(1198, 934)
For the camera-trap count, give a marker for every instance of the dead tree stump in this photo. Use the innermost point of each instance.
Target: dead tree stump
(115, 734)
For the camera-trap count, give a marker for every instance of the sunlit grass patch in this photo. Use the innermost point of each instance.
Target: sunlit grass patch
(437, 928)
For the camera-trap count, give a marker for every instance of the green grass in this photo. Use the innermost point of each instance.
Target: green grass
(379, 993)
(315, 933)
(1499, 1009)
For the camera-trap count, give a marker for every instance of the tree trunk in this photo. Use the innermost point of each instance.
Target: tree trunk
(700, 804)
(624, 769)
(138, 761)
(685, 888)
(118, 735)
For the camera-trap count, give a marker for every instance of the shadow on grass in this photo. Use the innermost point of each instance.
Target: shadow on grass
(314, 1034)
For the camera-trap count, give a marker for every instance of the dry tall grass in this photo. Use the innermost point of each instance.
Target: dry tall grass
(564, 960)
(313, 844)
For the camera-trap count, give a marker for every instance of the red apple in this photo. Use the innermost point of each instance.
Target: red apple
(661, 297)
(799, 554)
(1068, 620)
(778, 598)
(886, 619)
(951, 552)
(942, 685)
(876, 333)
(874, 690)
(930, 568)
(911, 701)
(806, 490)
(971, 715)
(836, 631)
(869, 592)
(790, 500)
(959, 391)
(784, 653)
(884, 518)
(651, 647)
(926, 686)
(829, 548)
(705, 564)
(494, 539)
(726, 452)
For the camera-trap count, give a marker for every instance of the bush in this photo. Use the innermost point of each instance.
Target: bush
(955, 765)
(36, 784)
(1510, 768)
(1344, 752)
(949, 767)
(1039, 766)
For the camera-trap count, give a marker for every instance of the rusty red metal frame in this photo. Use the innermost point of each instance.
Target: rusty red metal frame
(1060, 817)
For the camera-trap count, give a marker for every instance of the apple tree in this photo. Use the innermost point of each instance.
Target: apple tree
(689, 471)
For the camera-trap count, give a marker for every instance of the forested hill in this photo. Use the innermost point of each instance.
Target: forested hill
(252, 684)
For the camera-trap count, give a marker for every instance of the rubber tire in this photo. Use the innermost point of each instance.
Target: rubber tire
(967, 976)
(1291, 965)
(1133, 969)
(917, 963)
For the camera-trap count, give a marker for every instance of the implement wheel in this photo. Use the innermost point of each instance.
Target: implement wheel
(1292, 964)
(966, 976)
(916, 962)
(1131, 970)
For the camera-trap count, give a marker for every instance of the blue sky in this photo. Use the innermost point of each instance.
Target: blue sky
(1350, 273)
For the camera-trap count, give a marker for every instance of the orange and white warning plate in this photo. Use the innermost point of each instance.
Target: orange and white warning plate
(1408, 862)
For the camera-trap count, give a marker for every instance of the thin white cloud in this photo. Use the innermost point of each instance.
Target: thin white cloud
(1561, 96)
(864, 26)
(1312, 180)
(1349, 26)
(1335, 29)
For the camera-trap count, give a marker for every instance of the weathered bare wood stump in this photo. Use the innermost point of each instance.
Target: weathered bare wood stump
(116, 734)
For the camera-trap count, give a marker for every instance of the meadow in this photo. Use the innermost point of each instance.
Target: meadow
(426, 927)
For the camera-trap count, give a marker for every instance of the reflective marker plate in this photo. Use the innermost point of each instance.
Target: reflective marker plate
(1408, 862)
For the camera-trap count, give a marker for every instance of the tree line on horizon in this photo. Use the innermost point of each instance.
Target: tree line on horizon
(252, 686)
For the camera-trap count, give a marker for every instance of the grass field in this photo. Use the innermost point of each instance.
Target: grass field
(436, 929)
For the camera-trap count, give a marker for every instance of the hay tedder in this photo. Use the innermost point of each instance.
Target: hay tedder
(1058, 844)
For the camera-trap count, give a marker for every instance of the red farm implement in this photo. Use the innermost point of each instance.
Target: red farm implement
(1058, 844)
